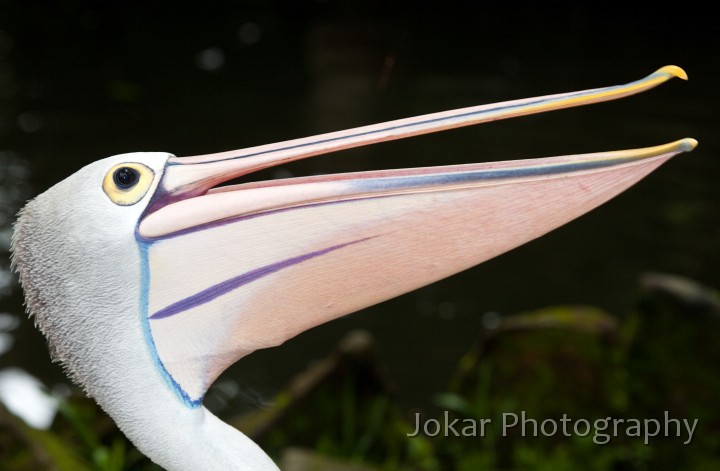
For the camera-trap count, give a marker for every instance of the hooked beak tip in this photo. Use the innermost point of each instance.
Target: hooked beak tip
(673, 71)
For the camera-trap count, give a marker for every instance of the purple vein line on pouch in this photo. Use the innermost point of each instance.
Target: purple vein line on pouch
(224, 287)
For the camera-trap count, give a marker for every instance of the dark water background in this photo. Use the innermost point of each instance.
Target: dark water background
(83, 80)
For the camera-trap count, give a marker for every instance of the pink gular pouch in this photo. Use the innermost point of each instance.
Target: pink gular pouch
(149, 279)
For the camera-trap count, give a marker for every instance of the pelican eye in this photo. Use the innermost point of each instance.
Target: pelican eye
(125, 177)
(127, 183)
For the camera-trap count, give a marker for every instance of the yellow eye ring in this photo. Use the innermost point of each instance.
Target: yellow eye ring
(126, 184)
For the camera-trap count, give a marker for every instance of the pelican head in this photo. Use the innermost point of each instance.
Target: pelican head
(149, 279)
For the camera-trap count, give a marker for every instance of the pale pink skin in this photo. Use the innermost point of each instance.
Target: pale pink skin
(280, 257)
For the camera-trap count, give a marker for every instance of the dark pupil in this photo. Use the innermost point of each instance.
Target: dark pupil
(125, 177)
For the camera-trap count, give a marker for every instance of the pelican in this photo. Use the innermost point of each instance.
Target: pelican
(149, 280)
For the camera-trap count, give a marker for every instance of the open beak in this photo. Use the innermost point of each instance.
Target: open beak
(188, 182)
(275, 258)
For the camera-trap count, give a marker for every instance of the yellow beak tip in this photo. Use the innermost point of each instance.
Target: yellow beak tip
(688, 144)
(674, 71)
